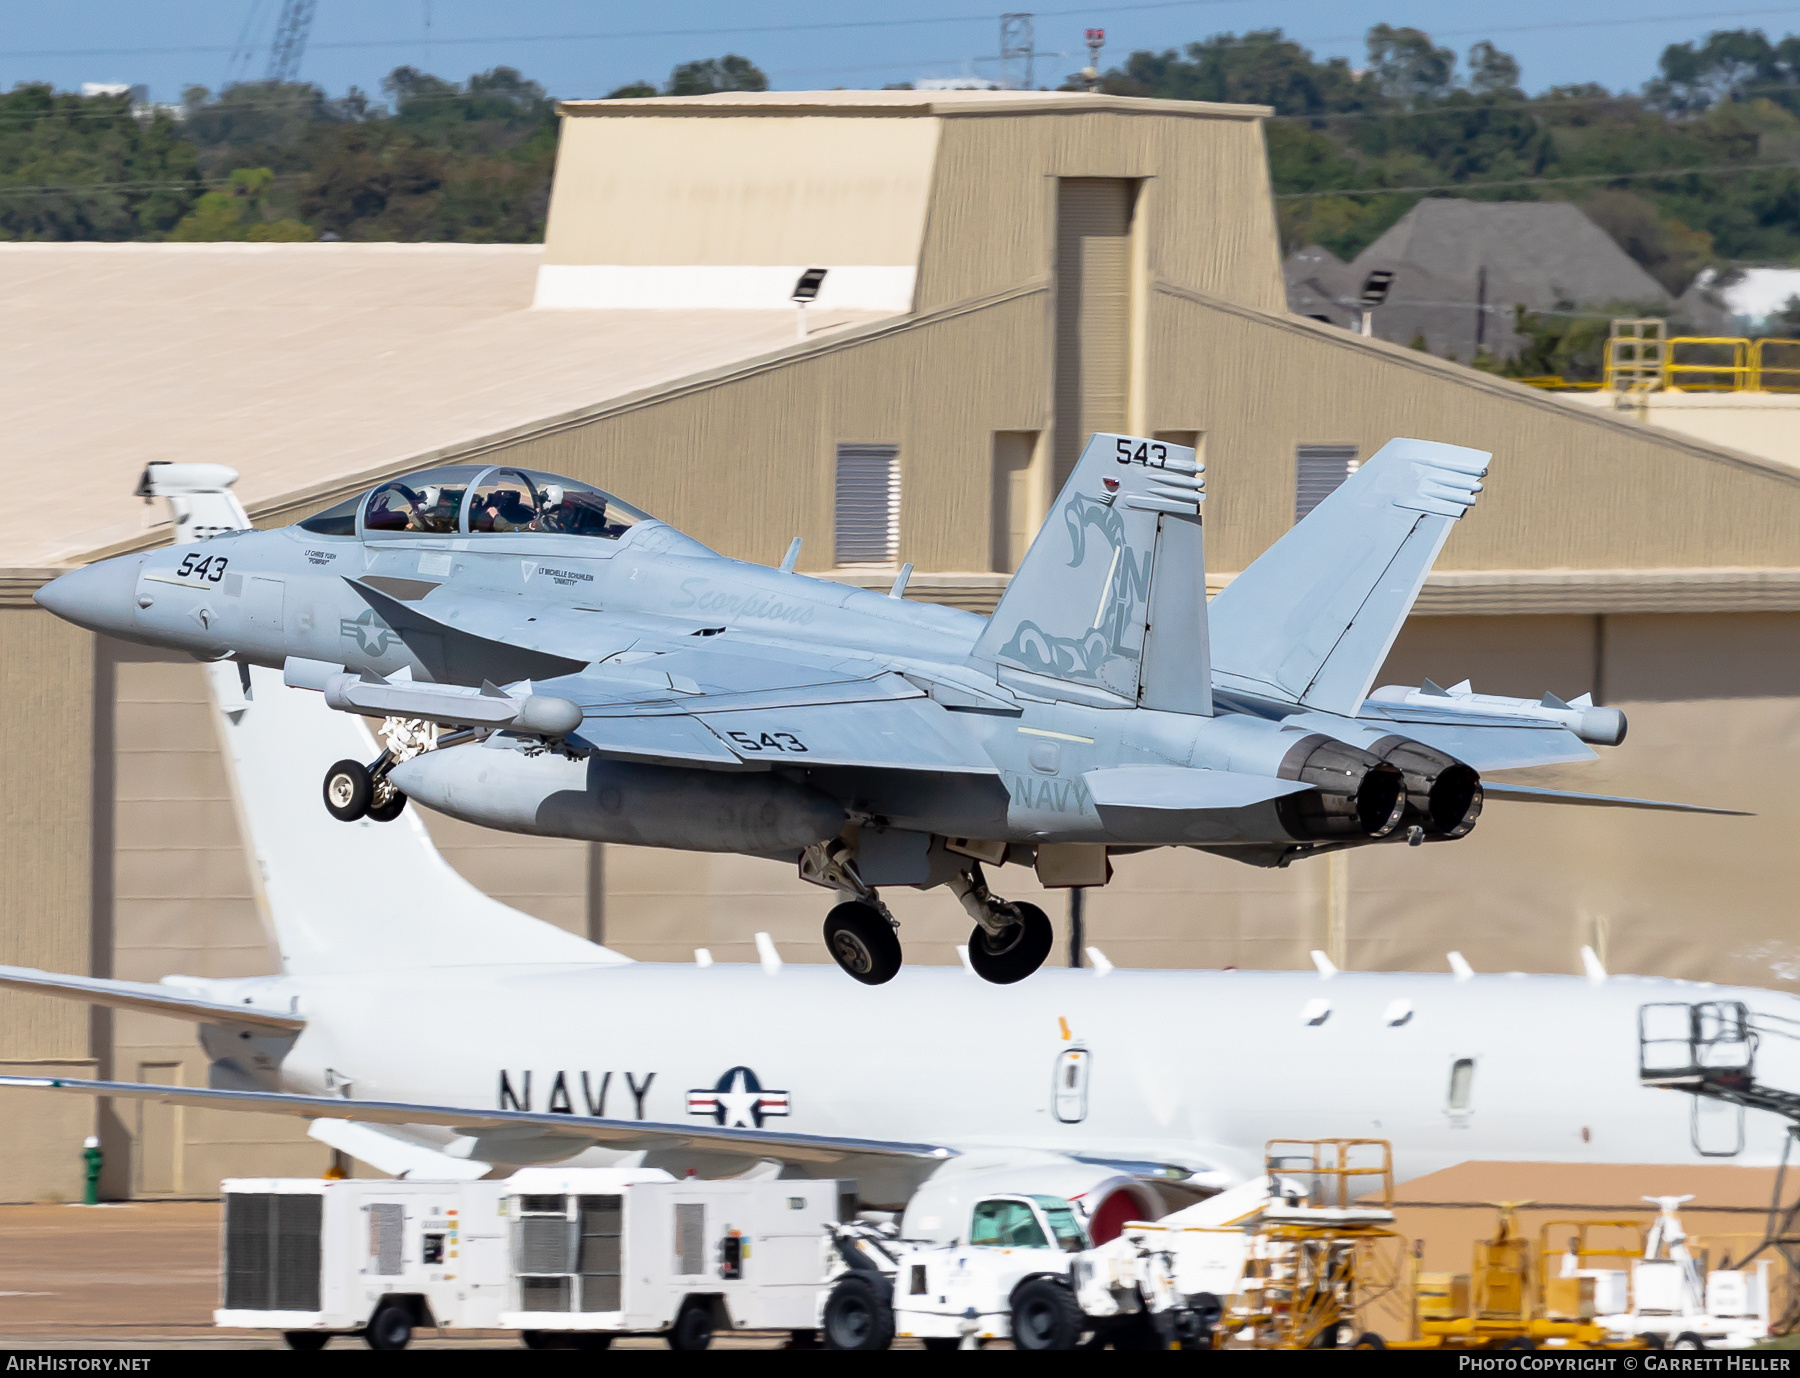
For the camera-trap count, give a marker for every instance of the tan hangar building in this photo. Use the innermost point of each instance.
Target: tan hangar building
(1006, 273)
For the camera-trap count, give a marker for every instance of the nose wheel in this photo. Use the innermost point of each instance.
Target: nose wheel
(862, 941)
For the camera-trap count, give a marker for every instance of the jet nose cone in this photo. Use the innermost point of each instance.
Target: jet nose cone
(101, 597)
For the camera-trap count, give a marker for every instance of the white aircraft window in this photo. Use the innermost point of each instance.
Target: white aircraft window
(1462, 1082)
(1008, 1224)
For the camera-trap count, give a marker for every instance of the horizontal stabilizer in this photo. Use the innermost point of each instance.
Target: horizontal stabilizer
(1181, 788)
(1313, 618)
(625, 1135)
(1531, 795)
(150, 999)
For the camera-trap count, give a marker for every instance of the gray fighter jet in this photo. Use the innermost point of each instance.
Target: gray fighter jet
(604, 676)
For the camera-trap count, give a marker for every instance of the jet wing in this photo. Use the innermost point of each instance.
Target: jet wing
(151, 999)
(626, 1135)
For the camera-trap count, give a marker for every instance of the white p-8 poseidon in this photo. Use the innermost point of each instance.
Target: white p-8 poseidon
(425, 1028)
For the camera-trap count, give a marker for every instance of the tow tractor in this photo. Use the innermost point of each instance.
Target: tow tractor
(1010, 1280)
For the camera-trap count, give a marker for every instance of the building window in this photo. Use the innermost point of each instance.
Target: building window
(868, 504)
(1318, 470)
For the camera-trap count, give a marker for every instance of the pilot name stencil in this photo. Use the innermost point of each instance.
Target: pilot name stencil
(594, 1087)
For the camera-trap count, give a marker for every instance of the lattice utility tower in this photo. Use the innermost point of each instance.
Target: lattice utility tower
(289, 45)
(1017, 52)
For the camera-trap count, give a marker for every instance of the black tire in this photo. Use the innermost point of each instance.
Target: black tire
(348, 791)
(389, 1328)
(858, 1316)
(537, 1339)
(1369, 1340)
(1652, 1340)
(1017, 951)
(1045, 1316)
(1687, 1339)
(306, 1341)
(388, 812)
(1518, 1342)
(863, 943)
(693, 1328)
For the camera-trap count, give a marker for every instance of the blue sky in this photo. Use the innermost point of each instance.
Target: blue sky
(578, 49)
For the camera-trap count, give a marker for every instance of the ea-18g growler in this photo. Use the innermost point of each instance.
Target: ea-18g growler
(607, 677)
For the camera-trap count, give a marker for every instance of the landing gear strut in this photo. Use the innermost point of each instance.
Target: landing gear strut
(1011, 938)
(353, 790)
(859, 933)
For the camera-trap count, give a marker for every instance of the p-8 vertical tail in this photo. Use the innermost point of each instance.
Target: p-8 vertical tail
(1112, 594)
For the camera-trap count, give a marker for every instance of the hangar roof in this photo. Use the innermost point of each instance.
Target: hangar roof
(302, 366)
(908, 103)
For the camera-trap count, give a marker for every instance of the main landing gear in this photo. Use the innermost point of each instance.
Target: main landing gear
(1010, 940)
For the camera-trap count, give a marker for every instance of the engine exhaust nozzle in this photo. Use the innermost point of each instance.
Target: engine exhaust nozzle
(1354, 794)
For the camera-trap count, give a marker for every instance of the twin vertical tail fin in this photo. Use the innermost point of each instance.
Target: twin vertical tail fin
(1313, 618)
(1111, 597)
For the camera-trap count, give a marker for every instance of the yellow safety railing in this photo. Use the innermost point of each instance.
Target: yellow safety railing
(1725, 367)
(1775, 366)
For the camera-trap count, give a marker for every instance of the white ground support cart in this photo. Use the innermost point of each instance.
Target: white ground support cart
(680, 1258)
(1674, 1301)
(567, 1257)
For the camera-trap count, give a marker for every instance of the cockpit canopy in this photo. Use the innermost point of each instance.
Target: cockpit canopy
(474, 500)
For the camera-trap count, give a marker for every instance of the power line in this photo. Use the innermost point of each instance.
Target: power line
(860, 24)
(1704, 170)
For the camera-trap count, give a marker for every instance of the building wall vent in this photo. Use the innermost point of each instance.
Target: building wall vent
(1318, 470)
(868, 505)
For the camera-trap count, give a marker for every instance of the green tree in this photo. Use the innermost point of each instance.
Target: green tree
(74, 167)
(715, 74)
(1407, 67)
(237, 212)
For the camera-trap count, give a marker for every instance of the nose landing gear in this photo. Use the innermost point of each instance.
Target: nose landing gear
(353, 791)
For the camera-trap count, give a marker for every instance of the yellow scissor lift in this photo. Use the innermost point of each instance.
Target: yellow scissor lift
(1514, 1298)
(1321, 1248)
